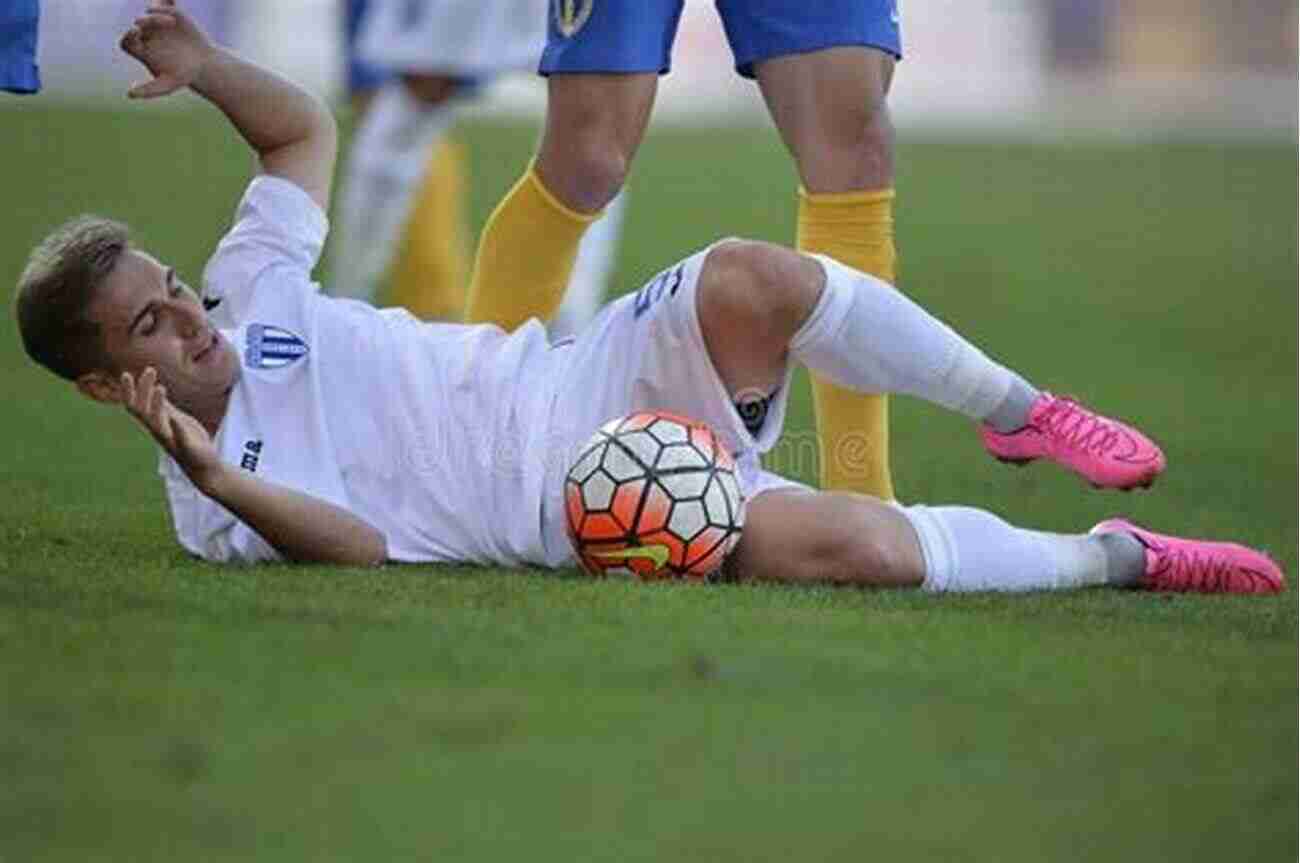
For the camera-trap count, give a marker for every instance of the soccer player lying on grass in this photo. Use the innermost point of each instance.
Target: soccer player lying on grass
(300, 427)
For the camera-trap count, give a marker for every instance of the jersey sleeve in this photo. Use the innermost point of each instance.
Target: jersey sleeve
(205, 528)
(278, 227)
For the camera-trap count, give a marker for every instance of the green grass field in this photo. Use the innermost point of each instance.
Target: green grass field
(156, 708)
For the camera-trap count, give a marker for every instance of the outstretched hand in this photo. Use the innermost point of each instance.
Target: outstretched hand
(170, 45)
(181, 435)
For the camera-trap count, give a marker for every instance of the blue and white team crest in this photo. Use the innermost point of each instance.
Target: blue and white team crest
(268, 347)
(570, 15)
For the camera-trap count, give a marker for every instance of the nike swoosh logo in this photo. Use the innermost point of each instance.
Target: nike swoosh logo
(209, 304)
(657, 553)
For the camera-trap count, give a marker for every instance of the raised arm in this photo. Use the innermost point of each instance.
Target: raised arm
(292, 131)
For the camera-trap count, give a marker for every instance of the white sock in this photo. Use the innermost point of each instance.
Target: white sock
(968, 549)
(387, 163)
(590, 279)
(867, 336)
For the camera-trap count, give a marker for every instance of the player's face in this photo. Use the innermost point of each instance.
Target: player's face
(149, 317)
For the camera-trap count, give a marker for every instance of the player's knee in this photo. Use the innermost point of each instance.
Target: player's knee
(859, 551)
(855, 150)
(586, 172)
(763, 289)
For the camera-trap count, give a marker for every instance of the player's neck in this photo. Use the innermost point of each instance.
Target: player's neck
(210, 411)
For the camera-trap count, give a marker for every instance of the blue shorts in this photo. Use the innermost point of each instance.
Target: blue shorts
(18, 70)
(605, 36)
(361, 76)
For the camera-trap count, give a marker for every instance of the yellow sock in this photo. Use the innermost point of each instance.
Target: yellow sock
(431, 273)
(857, 229)
(525, 256)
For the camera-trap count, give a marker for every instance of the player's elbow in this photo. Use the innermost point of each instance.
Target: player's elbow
(360, 545)
(369, 550)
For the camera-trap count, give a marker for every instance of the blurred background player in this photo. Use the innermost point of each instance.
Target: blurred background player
(411, 63)
(824, 70)
(19, 72)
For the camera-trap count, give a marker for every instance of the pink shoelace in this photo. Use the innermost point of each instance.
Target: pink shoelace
(1077, 427)
(1185, 568)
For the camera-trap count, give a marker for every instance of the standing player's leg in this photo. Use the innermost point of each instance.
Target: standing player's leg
(825, 74)
(402, 197)
(526, 254)
(430, 273)
(590, 278)
(383, 177)
(19, 20)
(602, 63)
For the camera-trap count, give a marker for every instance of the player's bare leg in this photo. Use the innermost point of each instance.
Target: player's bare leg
(758, 304)
(594, 125)
(826, 537)
(830, 107)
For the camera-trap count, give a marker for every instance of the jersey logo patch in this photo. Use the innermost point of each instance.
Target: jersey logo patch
(268, 347)
(570, 15)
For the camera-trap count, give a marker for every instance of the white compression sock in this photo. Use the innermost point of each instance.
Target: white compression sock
(387, 163)
(968, 549)
(590, 279)
(867, 336)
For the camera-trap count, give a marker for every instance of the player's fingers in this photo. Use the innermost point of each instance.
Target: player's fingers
(147, 386)
(130, 42)
(181, 441)
(155, 20)
(156, 400)
(152, 89)
(128, 391)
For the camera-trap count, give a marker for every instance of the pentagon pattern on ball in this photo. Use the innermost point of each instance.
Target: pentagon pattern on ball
(716, 504)
(688, 519)
(620, 464)
(681, 457)
(641, 445)
(668, 431)
(597, 491)
(684, 486)
(587, 464)
(731, 488)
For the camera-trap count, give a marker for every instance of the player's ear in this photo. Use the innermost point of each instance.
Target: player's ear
(100, 386)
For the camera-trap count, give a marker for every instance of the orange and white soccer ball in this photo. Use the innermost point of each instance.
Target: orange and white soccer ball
(653, 496)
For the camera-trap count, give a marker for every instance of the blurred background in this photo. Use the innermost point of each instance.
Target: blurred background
(1142, 67)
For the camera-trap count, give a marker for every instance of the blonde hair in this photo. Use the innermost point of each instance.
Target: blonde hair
(56, 288)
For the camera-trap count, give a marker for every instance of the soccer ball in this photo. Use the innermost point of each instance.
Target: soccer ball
(653, 496)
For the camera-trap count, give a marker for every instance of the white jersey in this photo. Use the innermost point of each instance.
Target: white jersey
(454, 37)
(422, 430)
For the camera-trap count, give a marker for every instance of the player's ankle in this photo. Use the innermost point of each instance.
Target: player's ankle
(1012, 414)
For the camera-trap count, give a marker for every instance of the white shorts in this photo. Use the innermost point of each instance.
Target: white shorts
(646, 351)
(466, 38)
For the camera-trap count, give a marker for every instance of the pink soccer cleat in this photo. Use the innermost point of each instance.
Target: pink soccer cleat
(1197, 565)
(1105, 452)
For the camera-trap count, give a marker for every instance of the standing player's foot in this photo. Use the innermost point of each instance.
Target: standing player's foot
(1198, 566)
(1106, 452)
